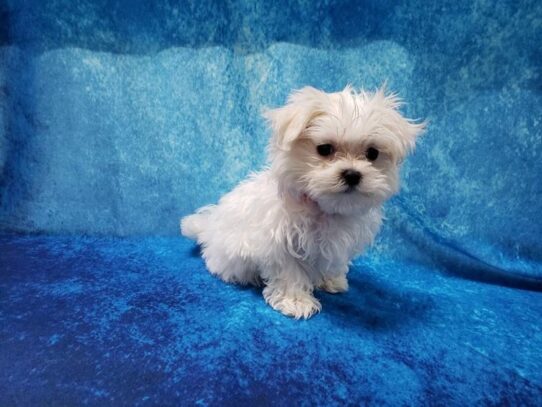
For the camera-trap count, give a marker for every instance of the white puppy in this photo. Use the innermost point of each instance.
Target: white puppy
(295, 226)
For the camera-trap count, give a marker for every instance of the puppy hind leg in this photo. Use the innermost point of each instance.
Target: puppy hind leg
(232, 269)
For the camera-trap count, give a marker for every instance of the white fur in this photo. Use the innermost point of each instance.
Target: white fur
(294, 227)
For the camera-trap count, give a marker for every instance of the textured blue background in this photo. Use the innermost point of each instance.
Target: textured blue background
(118, 117)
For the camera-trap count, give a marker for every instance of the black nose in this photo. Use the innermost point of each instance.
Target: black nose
(351, 177)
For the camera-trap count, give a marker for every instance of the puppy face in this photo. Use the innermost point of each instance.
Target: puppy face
(343, 149)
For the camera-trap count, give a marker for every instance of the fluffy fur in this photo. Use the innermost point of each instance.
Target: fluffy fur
(295, 226)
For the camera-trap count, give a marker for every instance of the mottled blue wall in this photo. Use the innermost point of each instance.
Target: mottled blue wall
(118, 117)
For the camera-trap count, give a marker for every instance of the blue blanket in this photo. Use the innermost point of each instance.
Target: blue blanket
(119, 117)
(139, 321)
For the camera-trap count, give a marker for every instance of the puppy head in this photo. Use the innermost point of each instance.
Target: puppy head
(343, 150)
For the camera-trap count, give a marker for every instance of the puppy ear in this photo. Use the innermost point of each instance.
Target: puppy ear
(406, 131)
(289, 122)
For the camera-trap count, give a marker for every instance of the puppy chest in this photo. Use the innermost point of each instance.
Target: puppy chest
(325, 244)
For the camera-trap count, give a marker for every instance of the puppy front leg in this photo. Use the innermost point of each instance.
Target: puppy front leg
(289, 290)
(337, 282)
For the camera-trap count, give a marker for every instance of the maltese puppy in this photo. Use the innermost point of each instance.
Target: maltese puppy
(294, 227)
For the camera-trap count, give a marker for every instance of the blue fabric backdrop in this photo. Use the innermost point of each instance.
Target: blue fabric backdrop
(119, 117)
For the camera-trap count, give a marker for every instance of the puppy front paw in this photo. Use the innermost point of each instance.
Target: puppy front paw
(298, 304)
(335, 285)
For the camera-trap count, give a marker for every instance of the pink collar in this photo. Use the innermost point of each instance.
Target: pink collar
(305, 202)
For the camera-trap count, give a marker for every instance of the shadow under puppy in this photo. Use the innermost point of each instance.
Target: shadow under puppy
(333, 161)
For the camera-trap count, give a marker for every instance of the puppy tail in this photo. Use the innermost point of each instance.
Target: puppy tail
(193, 225)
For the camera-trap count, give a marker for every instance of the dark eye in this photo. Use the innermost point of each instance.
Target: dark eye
(371, 154)
(325, 149)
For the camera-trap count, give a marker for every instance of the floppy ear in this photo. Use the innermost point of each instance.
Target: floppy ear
(405, 130)
(289, 122)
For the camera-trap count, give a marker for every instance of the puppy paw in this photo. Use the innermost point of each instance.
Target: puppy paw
(297, 305)
(335, 285)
